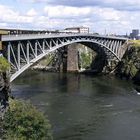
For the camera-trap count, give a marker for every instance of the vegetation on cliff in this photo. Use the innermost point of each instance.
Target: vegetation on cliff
(22, 121)
(86, 59)
(135, 43)
(4, 65)
(4, 87)
(129, 67)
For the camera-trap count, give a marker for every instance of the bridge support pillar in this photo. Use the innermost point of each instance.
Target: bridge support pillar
(63, 58)
(68, 58)
(72, 58)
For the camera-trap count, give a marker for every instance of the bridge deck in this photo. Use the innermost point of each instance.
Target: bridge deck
(43, 36)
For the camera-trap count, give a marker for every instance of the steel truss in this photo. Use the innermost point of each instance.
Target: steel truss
(23, 53)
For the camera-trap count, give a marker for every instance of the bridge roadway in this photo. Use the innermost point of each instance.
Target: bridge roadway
(42, 36)
(24, 50)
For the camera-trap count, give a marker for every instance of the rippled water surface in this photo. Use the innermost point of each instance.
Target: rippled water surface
(82, 107)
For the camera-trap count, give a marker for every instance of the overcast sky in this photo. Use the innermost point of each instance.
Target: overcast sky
(112, 16)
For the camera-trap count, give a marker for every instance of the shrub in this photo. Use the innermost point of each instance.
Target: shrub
(23, 122)
(4, 65)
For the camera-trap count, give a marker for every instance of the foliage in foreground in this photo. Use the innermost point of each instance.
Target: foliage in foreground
(4, 65)
(23, 122)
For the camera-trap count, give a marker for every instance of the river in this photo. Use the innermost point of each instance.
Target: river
(83, 107)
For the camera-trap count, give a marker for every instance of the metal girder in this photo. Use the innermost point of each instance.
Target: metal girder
(23, 53)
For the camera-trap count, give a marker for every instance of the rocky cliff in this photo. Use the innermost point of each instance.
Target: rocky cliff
(129, 67)
(4, 88)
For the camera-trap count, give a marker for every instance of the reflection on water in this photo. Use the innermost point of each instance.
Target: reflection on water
(83, 107)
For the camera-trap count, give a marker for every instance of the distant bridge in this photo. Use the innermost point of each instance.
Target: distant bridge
(24, 50)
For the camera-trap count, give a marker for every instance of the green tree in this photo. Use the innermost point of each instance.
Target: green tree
(23, 122)
(4, 65)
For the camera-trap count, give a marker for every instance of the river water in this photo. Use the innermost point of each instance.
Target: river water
(83, 107)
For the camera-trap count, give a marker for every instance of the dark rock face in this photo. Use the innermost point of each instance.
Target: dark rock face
(137, 78)
(129, 67)
(4, 91)
(4, 96)
(99, 63)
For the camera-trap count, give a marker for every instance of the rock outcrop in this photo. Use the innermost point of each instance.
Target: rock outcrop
(4, 96)
(129, 67)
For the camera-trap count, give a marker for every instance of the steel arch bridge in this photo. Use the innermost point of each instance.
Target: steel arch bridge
(24, 50)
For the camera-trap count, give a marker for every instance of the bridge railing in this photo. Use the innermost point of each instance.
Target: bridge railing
(52, 35)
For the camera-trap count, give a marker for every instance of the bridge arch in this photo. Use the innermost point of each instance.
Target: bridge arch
(22, 53)
(98, 43)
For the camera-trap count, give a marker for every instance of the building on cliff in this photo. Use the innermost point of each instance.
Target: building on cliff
(77, 29)
(135, 34)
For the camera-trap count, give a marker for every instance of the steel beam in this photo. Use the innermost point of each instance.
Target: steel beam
(25, 52)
